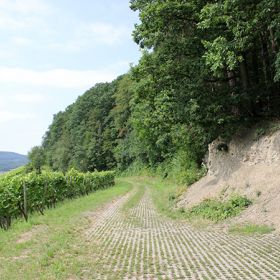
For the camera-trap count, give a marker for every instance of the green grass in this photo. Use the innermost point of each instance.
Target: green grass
(250, 229)
(52, 252)
(166, 193)
(218, 210)
(134, 200)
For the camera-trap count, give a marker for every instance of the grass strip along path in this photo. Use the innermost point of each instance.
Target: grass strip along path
(129, 238)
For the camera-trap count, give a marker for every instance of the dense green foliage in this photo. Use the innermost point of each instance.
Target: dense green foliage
(37, 158)
(22, 194)
(208, 68)
(82, 136)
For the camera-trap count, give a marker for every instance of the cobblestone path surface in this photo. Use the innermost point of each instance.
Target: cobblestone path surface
(139, 243)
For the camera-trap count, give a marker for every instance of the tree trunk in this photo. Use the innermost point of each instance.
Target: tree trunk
(273, 42)
(244, 75)
(267, 72)
(232, 80)
(255, 64)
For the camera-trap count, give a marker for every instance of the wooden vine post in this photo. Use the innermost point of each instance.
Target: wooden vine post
(25, 202)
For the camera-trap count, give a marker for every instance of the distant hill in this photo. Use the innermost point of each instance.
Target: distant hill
(9, 161)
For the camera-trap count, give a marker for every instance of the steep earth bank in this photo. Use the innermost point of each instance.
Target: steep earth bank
(248, 165)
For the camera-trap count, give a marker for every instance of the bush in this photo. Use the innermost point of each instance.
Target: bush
(182, 168)
(45, 190)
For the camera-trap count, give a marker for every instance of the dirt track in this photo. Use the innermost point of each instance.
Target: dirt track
(141, 244)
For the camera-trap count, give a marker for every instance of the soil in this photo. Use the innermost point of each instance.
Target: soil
(29, 235)
(249, 166)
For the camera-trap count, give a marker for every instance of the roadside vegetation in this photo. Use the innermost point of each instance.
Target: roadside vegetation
(250, 229)
(217, 210)
(166, 194)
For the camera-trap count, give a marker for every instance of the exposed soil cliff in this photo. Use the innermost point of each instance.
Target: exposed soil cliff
(248, 165)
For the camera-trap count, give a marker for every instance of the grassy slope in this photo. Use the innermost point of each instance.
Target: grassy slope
(54, 247)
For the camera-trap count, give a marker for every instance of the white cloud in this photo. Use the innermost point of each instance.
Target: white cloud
(7, 116)
(58, 78)
(103, 33)
(6, 54)
(68, 46)
(22, 14)
(10, 100)
(25, 6)
(21, 41)
(30, 98)
(92, 34)
(9, 22)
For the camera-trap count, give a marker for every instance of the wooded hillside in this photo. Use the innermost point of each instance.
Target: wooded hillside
(208, 68)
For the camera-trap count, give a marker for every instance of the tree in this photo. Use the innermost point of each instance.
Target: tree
(37, 158)
(244, 47)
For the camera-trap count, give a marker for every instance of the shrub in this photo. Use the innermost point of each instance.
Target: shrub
(182, 168)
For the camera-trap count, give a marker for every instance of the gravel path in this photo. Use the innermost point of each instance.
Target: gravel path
(139, 243)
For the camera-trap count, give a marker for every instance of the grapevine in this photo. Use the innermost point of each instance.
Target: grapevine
(23, 194)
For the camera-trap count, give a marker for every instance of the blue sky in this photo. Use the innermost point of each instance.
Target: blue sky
(51, 51)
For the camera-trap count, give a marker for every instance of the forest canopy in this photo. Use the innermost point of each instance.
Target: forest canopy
(207, 69)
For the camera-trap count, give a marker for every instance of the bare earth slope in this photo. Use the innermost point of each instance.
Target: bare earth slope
(138, 243)
(250, 167)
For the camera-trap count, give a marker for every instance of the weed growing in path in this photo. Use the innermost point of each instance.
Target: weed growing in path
(250, 229)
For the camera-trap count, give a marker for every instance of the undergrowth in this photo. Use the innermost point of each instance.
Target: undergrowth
(180, 169)
(217, 210)
(166, 195)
